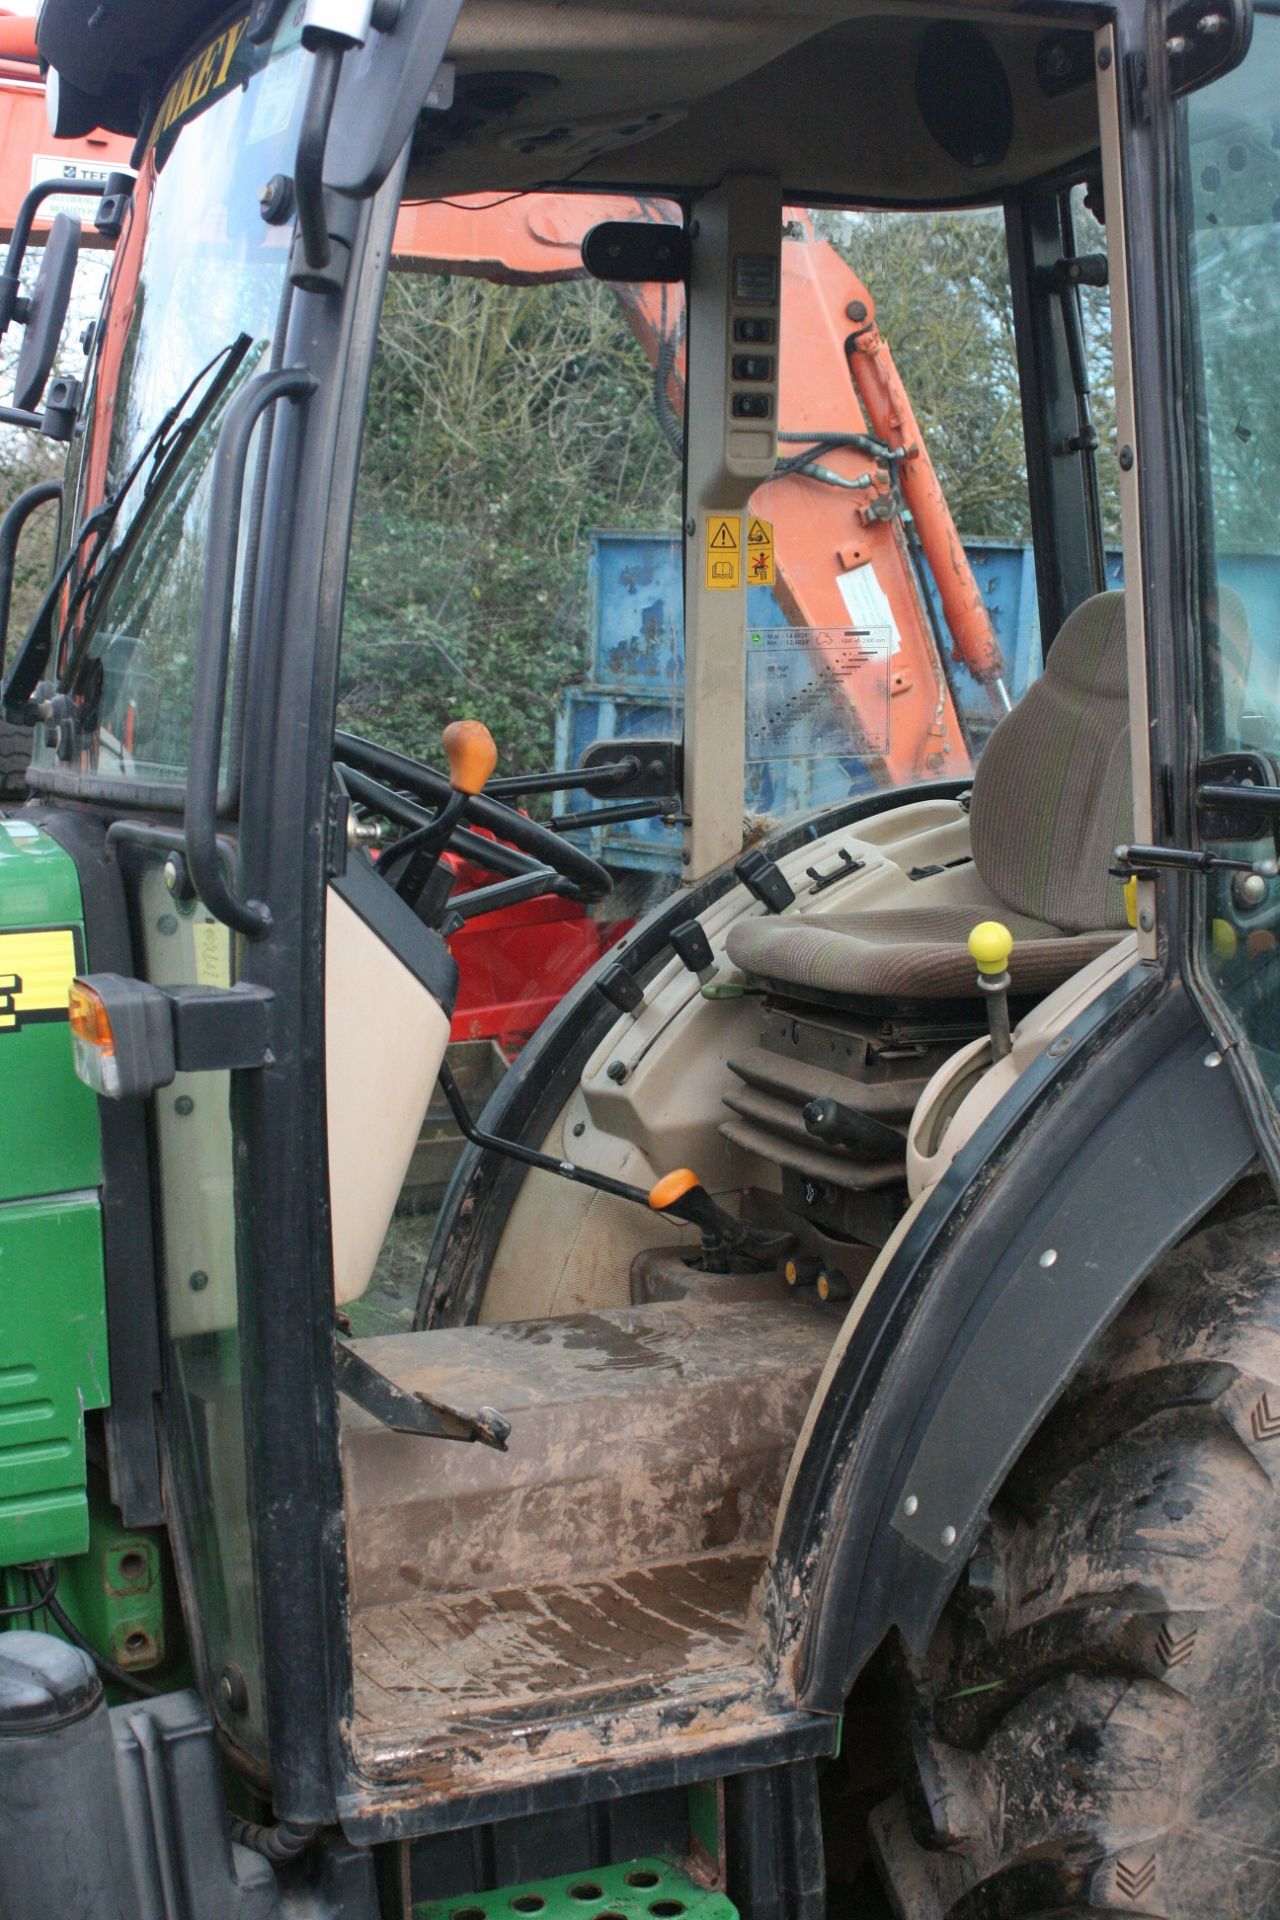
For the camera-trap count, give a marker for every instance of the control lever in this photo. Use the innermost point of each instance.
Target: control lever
(990, 945)
(472, 757)
(682, 1196)
(870, 1139)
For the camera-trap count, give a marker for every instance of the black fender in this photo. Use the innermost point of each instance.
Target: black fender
(1097, 1163)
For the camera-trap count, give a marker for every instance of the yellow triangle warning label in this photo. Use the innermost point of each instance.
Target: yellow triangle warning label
(724, 551)
(760, 534)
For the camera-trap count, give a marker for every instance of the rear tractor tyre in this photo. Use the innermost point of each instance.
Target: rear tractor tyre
(15, 758)
(1096, 1726)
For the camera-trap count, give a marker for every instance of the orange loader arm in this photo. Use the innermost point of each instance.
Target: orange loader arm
(837, 380)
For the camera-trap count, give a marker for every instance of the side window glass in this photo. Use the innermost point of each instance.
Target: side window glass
(1090, 244)
(899, 503)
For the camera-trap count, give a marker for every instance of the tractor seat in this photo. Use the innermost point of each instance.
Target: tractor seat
(1052, 798)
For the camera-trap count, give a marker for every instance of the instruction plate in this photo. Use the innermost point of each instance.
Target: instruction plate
(817, 692)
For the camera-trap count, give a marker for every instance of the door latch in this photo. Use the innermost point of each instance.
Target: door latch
(1143, 863)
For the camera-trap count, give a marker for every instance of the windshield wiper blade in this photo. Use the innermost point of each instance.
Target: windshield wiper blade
(164, 449)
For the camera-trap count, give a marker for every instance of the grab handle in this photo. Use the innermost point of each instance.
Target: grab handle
(249, 917)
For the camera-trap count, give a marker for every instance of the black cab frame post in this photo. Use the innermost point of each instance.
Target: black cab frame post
(282, 1227)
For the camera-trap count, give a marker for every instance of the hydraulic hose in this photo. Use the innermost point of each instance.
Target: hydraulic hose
(286, 1841)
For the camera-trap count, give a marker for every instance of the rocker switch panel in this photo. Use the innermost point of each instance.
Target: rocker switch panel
(621, 989)
(693, 946)
(768, 882)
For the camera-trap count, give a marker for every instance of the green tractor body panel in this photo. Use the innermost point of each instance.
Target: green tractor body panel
(53, 1336)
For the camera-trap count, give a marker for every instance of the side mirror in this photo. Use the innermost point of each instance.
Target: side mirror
(46, 312)
(10, 533)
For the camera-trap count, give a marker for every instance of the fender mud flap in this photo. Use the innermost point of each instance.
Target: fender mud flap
(1041, 1230)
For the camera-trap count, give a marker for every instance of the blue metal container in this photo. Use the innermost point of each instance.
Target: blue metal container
(635, 673)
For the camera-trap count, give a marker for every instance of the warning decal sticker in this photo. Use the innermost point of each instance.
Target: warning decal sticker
(724, 551)
(36, 971)
(760, 568)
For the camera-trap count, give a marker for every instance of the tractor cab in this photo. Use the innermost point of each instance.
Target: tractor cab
(498, 537)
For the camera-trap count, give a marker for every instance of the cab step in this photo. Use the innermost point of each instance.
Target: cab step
(558, 1622)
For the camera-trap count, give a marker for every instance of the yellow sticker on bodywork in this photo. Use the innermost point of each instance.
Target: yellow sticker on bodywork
(36, 971)
(724, 551)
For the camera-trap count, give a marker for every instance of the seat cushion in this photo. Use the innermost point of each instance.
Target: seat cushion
(911, 953)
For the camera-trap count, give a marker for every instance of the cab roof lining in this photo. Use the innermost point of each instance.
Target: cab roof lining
(828, 106)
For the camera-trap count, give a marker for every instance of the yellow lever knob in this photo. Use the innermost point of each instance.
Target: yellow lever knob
(990, 945)
(472, 756)
(1131, 900)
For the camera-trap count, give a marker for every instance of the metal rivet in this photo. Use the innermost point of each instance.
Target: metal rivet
(275, 200)
(948, 1536)
(1104, 58)
(184, 1105)
(579, 1128)
(1126, 459)
(1213, 1059)
(1049, 1258)
(1146, 920)
(198, 1281)
(616, 1071)
(231, 1685)
(1175, 46)
(166, 923)
(910, 1505)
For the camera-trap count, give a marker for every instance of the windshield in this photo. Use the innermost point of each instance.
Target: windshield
(192, 307)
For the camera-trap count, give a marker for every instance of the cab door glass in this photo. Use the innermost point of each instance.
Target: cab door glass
(516, 558)
(183, 945)
(1230, 179)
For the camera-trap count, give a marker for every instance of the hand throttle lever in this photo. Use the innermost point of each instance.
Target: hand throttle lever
(726, 1242)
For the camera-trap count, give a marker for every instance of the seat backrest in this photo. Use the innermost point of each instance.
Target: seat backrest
(1053, 793)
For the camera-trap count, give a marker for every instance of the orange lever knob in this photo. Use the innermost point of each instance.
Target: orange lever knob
(472, 756)
(673, 1187)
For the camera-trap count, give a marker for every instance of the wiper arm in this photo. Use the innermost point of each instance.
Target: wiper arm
(164, 448)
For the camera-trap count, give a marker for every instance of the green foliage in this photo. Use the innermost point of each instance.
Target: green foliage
(504, 422)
